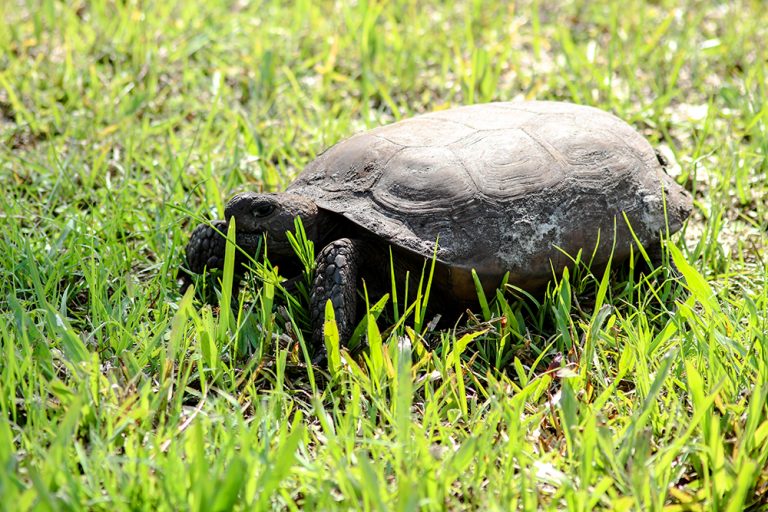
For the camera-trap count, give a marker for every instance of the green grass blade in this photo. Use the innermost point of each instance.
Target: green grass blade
(331, 338)
(481, 297)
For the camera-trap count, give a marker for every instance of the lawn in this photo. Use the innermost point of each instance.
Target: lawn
(124, 124)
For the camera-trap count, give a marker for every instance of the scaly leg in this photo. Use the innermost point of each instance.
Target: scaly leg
(335, 280)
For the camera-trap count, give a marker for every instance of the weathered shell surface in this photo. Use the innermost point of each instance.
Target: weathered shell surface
(501, 186)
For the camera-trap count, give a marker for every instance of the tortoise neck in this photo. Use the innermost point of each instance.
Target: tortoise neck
(332, 226)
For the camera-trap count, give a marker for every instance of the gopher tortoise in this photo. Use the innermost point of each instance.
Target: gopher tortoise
(499, 187)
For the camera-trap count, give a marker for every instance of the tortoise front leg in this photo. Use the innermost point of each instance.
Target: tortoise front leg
(206, 247)
(205, 250)
(335, 280)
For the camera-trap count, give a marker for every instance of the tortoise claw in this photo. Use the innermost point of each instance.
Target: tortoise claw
(320, 359)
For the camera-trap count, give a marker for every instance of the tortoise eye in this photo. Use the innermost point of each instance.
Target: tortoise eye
(263, 210)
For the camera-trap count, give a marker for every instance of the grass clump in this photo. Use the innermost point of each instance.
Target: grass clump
(121, 121)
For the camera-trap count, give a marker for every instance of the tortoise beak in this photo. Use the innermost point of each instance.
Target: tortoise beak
(250, 242)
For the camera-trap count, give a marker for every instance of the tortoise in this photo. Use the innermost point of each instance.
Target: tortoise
(511, 187)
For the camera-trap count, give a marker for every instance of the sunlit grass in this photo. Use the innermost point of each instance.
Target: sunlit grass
(123, 124)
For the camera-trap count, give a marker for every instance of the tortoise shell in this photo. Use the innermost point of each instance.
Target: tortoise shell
(502, 187)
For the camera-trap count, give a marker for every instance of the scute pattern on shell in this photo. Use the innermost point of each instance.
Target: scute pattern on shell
(501, 186)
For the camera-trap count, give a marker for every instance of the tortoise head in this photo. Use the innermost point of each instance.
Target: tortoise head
(270, 216)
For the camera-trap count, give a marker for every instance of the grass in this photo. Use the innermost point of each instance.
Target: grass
(122, 124)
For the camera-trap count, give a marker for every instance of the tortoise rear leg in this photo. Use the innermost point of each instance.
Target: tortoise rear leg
(335, 280)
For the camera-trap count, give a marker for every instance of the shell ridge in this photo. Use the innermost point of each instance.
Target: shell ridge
(546, 146)
(464, 167)
(391, 141)
(387, 140)
(437, 118)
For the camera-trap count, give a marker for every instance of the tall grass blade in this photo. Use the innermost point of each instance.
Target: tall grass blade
(331, 338)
